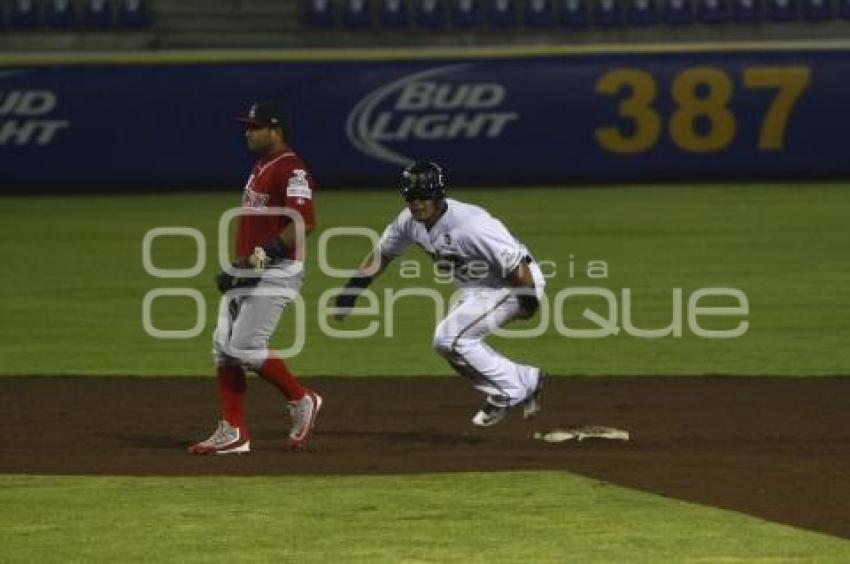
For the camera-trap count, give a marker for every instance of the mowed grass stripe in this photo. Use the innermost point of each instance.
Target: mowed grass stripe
(72, 304)
(487, 518)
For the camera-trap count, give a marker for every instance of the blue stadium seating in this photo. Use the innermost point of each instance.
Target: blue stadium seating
(24, 14)
(712, 11)
(816, 10)
(539, 13)
(466, 13)
(60, 14)
(98, 14)
(134, 13)
(574, 13)
(747, 11)
(394, 13)
(502, 13)
(781, 10)
(319, 13)
(429, 13)
(357, 14)
(606, 12)
(641, 12)
(678, 12)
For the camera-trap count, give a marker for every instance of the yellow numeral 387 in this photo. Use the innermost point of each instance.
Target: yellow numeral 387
(701, 95)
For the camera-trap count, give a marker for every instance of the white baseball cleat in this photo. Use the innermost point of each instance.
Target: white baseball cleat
(226, 439)
(494, 410)
(303, 413)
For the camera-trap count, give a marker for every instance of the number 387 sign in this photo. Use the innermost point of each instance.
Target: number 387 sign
(697, 109)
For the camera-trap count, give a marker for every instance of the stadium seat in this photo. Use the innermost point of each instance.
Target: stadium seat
(712, 11)
(678, 12)
(98, 14)
(430, 14)
(502, 13)
(60, 14)
(747, 11)
(844, 9)
(574, 13)
(134, 13)
(393, 14)
(606, 12)
(356, 14)
(319, 13)
(539, 13)
(466, 13)
(816, 10)
(24, 14)
(781, 10)
(641, 12)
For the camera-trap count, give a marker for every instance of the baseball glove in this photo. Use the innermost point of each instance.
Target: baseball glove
(226, 281)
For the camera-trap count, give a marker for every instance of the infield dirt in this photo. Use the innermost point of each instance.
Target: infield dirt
(776, 448)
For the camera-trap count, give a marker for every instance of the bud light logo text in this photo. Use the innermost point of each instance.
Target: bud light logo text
(431, 106)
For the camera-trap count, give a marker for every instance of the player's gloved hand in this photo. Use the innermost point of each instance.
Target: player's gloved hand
(347, 297)
(528, 303)
(226, 281)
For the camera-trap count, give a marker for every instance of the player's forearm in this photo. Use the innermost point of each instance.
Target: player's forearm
(373, 264)
(370, 268)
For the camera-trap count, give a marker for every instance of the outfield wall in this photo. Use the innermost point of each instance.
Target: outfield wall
(492, 116)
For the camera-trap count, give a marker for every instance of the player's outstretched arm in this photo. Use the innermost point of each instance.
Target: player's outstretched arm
(369, 268)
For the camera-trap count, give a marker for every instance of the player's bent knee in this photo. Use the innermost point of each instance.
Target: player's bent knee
(442, 344)
(250, 353)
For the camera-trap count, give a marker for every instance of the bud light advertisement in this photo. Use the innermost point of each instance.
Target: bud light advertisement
(510, 121)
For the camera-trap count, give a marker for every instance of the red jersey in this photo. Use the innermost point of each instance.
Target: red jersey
(277, 180)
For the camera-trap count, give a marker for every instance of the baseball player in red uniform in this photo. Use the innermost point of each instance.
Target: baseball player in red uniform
(265, 276)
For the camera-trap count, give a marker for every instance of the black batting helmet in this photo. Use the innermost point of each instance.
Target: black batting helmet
(423, 180)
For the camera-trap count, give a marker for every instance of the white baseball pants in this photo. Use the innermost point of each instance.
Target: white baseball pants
(459, 338)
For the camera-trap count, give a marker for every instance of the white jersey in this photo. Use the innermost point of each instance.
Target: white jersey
(467, 241)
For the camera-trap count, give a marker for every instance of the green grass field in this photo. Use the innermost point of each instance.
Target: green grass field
(74, 284)
(483, 518)
(73, 301)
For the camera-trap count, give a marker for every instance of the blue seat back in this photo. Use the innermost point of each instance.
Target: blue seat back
(641, 12)
(466, 13)
(817, 10)
(539, 13)
(98, 13)
(606, 12)
(134, 13)
(747, 11)
(60, 14)
(502, 13)
(677, 12)
(574, 13)
(319, 13)
(356, 13)
(713, 11)
(394, 13)
(24, 14)
(430, 14)
(781, 10)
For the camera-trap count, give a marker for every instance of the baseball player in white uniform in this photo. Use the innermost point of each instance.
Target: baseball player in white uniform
(497, 278)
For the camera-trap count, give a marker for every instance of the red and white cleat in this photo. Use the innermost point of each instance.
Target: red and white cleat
(227, 439)
(303, 413)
